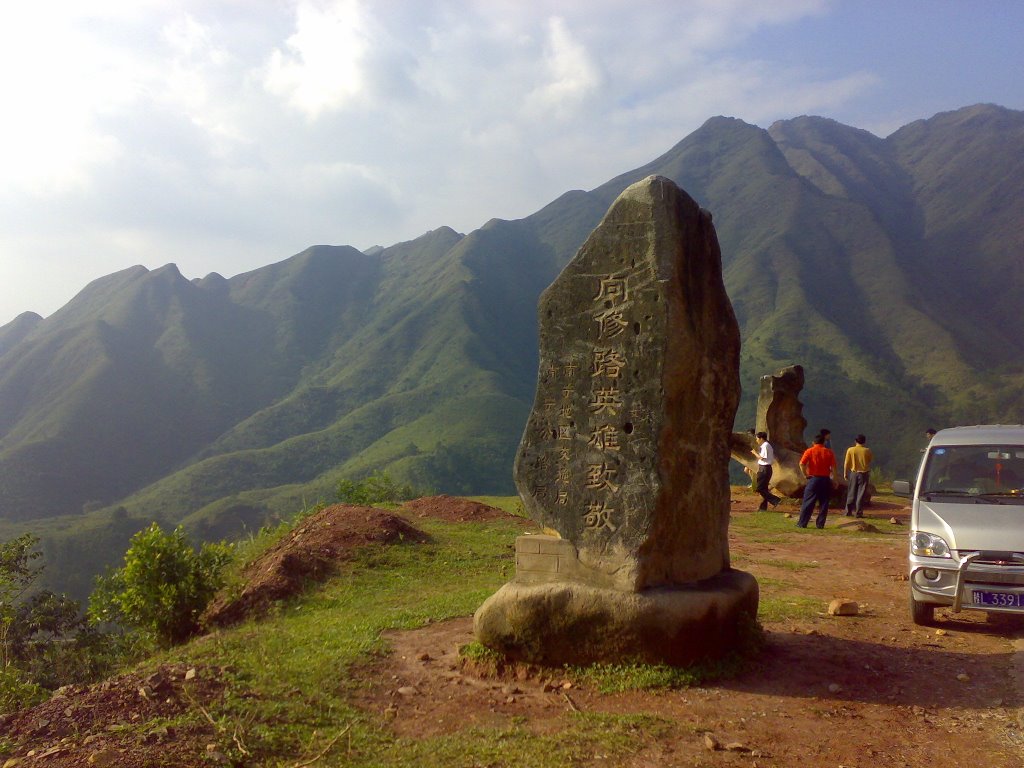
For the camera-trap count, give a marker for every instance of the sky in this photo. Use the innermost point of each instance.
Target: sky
(226, 135)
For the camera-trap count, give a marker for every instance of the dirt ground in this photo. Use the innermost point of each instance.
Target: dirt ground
(839, 691)
(851, 691)
(98, 724)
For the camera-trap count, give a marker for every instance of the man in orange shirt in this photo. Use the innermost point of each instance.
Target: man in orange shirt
(818, 464)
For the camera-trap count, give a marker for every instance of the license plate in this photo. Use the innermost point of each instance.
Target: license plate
(997, 599)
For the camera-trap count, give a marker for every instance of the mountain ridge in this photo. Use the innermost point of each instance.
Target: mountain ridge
(223, 402)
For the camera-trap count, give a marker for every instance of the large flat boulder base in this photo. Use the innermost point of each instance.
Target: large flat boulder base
(624, 459)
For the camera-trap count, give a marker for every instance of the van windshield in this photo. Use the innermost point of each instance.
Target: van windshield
(984, 471)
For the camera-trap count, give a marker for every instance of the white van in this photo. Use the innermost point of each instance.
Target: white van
(967, 522)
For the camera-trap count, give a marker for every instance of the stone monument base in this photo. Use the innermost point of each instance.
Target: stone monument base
(567, 622)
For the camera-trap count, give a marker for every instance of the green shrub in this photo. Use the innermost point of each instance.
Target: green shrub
(378, 488)
(18, 693)
(163, 587)
(17, 575)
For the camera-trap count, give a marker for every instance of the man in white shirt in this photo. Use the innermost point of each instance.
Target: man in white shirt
(765, 456)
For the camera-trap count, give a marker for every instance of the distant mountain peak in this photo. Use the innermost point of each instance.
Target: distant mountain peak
(221, 402)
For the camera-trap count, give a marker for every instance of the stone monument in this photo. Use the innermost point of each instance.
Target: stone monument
(624, 459)
(781, 415)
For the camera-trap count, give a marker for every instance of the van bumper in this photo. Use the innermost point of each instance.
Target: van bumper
(985, 581)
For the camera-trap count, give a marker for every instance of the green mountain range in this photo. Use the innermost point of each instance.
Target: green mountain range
(888, 268)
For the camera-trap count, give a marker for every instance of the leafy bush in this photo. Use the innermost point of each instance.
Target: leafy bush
(16, 692)
(378, 488)
(17, 574)
(45, 641)
(52, 643)
(163, 587)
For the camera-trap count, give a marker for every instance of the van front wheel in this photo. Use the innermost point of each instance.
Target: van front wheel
(923, 614)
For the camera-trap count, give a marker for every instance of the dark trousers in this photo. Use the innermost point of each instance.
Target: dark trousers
(764, 476)
(817, 491)
(856, 491)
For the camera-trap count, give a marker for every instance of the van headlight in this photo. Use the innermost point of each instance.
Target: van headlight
(928, 545)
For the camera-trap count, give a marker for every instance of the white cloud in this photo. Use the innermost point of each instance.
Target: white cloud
(571, 74)
(321, 66)
(51, 76)
(224, 135)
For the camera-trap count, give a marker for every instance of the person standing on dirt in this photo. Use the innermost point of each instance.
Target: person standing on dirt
(856, 471)
(765, 457)
(818, 464)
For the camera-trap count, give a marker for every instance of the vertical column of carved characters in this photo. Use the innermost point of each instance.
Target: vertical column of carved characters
(602, 511)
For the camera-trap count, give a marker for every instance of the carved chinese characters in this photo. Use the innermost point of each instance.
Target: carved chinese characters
(636, 391)
(625, 454)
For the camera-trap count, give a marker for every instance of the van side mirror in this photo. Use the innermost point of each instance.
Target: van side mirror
(901, 488)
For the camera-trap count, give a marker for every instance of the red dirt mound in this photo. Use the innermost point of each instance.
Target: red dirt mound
(310, 552)
(454, 509)
(92, 725)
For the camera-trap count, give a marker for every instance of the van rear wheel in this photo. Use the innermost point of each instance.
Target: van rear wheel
(923, 614)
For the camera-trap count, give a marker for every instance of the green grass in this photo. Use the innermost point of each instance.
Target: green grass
(290, 673)
(615, 678)
(776, 608)
(773, 585)
(787, 565)
(772, 527)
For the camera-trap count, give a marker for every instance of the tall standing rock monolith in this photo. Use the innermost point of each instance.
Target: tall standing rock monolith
(780, 414)
(624, 459)
(779, 410)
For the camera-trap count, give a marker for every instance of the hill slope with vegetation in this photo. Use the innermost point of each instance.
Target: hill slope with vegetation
(888, 268)
(367, 658)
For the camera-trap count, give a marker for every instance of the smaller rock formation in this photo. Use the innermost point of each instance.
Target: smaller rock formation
(781, 414)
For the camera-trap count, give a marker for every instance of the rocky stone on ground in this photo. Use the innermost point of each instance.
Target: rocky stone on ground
(842, 607)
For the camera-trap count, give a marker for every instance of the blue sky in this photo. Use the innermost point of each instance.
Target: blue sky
(225, 135)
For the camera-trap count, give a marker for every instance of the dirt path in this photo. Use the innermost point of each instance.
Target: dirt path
(869, 690)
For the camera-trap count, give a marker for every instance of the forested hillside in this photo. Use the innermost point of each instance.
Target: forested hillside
(889, 268)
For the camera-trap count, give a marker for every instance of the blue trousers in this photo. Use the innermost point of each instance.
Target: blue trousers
(817, 491)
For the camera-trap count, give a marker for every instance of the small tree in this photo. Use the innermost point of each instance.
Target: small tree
(17, 575)
(164, 585)
(378, 488)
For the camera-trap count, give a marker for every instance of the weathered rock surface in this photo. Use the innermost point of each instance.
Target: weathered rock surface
(843, 607)
(625, 453)
(624, 460)
(573, 623)
(780, 414)
(779, 410)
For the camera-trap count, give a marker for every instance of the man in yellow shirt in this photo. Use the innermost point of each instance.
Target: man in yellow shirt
(856, 471)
